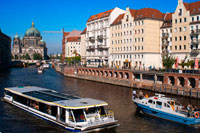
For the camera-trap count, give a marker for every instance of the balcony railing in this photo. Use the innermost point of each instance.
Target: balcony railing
(195, 32)
(100, 37)
(165, 35)
(91, 47)
(195, 42)
(92, 39)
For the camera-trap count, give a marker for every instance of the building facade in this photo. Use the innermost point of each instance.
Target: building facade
(181, 31)
(83, 47)
(5, 51)
(30, 45)
(135, 39)
(71, 44)
(73, 47)
(98, 37)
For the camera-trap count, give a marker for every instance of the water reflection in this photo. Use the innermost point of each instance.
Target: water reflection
(119, 99)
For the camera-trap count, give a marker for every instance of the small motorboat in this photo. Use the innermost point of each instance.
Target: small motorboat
(166, 108)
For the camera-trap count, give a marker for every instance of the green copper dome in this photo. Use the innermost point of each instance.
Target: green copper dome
(32, 31)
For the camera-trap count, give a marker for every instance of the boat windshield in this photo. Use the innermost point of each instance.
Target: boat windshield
(79, 115)
(92, 112)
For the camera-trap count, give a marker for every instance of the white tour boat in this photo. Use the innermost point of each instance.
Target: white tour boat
(72, 113)
(167, 108)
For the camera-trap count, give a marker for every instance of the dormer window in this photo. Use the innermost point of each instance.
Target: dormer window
(127, 18)
(180, 12)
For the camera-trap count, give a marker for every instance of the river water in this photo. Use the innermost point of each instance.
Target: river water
(15, 120)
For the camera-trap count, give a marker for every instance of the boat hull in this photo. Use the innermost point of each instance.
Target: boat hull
(69, 128)
(168, 116)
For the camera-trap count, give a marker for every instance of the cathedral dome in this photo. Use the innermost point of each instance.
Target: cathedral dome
(32, 31)
(16, 36)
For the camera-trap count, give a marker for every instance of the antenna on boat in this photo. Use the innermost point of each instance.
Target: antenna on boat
(159, 95)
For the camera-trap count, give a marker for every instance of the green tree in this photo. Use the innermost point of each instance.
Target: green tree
(168, 61)
(37, 56)
(26, 57)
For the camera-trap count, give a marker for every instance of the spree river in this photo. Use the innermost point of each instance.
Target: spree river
(15, 120)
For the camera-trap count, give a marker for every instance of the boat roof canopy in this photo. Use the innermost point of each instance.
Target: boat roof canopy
(53, 97)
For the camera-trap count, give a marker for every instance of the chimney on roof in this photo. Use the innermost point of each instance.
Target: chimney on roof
(127, 8)
(180, 1)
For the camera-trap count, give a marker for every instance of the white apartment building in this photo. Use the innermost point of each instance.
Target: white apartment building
(73, 47)
(98, 37)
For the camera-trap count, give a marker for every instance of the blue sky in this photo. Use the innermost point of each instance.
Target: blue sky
(53, 15)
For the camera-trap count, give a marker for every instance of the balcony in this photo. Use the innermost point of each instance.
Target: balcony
(195, 52)
(90, 48)
(92, 39)
(165, 35)
(195, 42)
(195, 32)
(100, 38)
(101, 46)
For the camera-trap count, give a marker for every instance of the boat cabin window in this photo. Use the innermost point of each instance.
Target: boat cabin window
(89, 111)
(8, 93)
(158, 104)
(150, 101)
(166, 105)
(79, 115)
(102, 111)
(154, 102)
(71, 118)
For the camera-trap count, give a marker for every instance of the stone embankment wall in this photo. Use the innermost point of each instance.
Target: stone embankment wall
(171, 83)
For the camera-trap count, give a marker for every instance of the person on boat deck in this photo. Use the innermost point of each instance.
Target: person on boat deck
(196, 108)
(183, 109)
(49, 109)
(189, 108)
(134, 94)
(141, 95)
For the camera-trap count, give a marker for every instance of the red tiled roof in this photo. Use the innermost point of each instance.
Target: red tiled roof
(148, 13)
(118, 20)
(100, 15)
(66, 33)
(167, 20)
(133, 12)
(194, 7)
(73, 39)
(84, 31)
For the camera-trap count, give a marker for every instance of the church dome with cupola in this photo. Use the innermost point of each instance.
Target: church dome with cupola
(32, 31)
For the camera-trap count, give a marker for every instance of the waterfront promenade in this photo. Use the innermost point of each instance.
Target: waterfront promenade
(184, 84)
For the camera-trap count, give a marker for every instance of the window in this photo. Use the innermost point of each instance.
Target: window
(192, 19)
(180, 12)
(175, 21)
(184, 28)
(180, 38)
(185, 38)
(150, 101)
(175, 38)
(175, 30)
(180, 29)
(185, 19)
(184, 46)
(166, 105)
(175, 47)
(130, 24)
(142, 39)
(197, 18)
(180, 20)
(142, 30)
(180, 47)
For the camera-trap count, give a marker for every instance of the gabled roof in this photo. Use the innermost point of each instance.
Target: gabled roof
(73, 39)
(66, 33)
(167, 20)
(194, 7)
(100, 15)
(148, 13)
(118, 20)
(132, 11)
(84, 31)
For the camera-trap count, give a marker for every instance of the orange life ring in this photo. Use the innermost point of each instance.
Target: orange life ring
(196, 115)
(82, 117)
